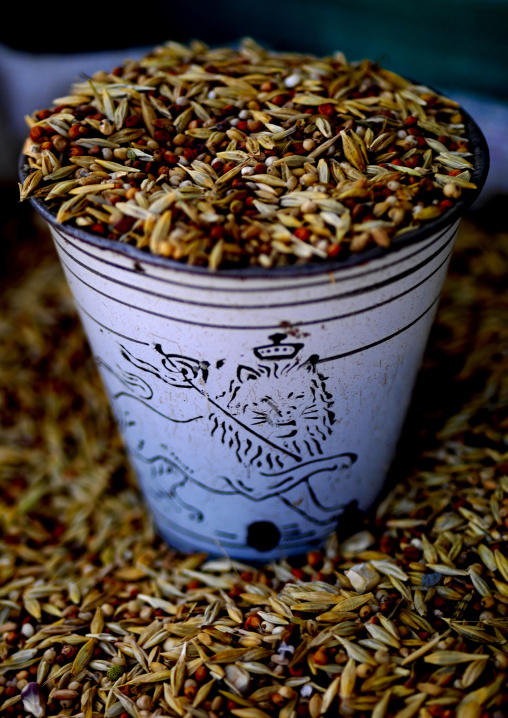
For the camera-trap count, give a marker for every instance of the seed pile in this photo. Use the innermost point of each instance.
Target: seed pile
(223, 157)
(407, 617)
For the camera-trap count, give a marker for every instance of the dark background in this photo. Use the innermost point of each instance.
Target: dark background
(459, 44)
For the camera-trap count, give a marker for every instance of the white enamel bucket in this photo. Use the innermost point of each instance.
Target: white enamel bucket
(257, 406)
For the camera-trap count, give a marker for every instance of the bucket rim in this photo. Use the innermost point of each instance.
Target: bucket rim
(477, 145)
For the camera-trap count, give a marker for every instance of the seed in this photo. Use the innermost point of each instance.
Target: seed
(64, 694)
(144, 702)
(50, 655)
(308, 179)
(320, 657)
(452, 190)
(27, 630)
(315, 705)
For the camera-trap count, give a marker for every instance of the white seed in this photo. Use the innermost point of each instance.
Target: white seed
(50, 655)
(452, 190)
(292, 80)
(27, 630)
(308, 207)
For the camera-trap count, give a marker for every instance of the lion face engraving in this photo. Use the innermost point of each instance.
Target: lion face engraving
(269, 414)
(285, 403)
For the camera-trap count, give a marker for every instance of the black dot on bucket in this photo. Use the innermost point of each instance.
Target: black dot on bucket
(263, 535)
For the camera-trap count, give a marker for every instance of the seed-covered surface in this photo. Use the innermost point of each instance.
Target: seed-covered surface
(406, 617)
(236, 157)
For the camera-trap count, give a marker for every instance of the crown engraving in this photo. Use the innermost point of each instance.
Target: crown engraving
(278, 349)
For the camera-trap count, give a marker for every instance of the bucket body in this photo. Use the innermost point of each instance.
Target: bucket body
(257, 408)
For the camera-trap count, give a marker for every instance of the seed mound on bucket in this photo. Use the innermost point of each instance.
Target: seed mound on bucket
(238, 157)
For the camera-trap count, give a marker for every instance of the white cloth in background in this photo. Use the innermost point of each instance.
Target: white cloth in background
(29, 82)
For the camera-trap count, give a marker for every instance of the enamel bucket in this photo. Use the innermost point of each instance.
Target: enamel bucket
(257, 406)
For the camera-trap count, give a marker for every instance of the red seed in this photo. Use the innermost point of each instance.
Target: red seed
(302, 233)
(321, 657)
(446, 204)
(170, 158)
(298, 573)
(314, 557)
(37, 133)
(412, 161)
(326, 109)
(201, 674)
(162, 135)
(123, 225)
(74, 132)
(228, 166)
(253, 621)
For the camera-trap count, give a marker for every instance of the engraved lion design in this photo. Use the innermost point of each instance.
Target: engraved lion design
(286, 402)
(274, 414)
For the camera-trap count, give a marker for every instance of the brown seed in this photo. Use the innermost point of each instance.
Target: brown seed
(65, 694)
(144, 702)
